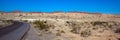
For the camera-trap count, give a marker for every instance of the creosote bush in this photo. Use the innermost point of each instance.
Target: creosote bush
(75, 26)
(99, 23)
(41, 25)
(7, 21)
(117, 30)
(76, 30)
(62, 31)
(85, 33)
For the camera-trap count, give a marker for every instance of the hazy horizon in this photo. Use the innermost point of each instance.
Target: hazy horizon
(99, 6)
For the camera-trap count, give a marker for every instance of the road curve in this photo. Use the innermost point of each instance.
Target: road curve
(14, 31)
(32, 34)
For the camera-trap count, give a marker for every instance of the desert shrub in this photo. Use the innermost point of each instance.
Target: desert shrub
(7, 21)
(110, 26)
(85, 33)
(117, 30)
(99, 23)
(67, 22)
(41, 25)
(109, 39)
(95, 28)
(75, 26)
(58, 34)
(76, 30)
(25, 20)
(62, 31)
(71, 23)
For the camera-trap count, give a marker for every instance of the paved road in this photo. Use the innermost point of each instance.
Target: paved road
(10, 28)
(14, 32)
(17, 30)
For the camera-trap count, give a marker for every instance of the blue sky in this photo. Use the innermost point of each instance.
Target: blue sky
(102, 6)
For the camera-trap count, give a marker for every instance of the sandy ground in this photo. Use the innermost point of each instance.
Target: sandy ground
(74, 26)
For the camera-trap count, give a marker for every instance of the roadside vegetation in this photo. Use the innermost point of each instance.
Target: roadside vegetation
(85, 29)
(72, 28)
(41, 25)
(4, 23)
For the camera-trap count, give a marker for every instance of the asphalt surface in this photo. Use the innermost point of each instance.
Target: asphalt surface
(9, 29)
(14, 31)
